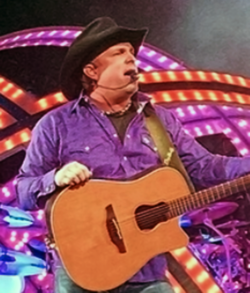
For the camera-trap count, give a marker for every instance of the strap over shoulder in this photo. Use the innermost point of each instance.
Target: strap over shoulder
(166, 150)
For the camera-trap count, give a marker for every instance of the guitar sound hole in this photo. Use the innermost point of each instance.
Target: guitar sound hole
(148, 217)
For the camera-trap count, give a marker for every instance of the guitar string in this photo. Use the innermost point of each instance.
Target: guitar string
(185, 201)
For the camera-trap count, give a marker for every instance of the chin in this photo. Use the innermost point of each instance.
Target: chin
(132, 88)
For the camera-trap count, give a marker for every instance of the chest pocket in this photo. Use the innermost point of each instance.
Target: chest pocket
(86, 153)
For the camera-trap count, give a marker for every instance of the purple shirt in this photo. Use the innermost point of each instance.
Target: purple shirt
(78, 131)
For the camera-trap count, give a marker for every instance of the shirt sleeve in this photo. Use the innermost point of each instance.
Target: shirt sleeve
(204, 168)
(36, 175)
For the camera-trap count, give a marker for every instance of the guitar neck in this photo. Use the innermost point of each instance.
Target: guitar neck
(202, 198)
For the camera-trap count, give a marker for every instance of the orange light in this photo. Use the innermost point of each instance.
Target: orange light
(242, 81)
(166, 97)
(182, 96)
(142, 78)
(43, 103)
(172, 75)
(216, 76)
(196, 271)
(212, 96)
(187, 75)
(179, 252)
(17, 93)
(191, 263)
(25, 136)
(169, 76)
(156, 76)
(214, 289)
(202, 75)
(60, 97)
(203, 276)
(229, 78)
(240, 99)
(198, 96)
(227, 97)
(9, 144)
(7, 87)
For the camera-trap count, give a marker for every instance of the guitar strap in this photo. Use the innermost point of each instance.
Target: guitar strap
(163, 143)
(169, 157)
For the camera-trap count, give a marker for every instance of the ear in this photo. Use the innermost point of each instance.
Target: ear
(90, 71)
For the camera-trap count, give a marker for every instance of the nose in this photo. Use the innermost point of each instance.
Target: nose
(130, 57)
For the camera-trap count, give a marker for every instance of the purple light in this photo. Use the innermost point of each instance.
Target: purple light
(174, 66)
(227, 130)
(236, 140)
(40, 34)
(61, 36)
(151, 53)
(242, 123)
(52, 33)
(28, 36)
(244, 151)
(162, 59)
(64, 44)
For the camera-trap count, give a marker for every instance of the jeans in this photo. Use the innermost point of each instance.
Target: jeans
(63, 284)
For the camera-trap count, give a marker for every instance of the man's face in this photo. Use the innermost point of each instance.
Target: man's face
(114, 65)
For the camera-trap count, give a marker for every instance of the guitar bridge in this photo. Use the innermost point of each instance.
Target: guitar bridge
(114, 229)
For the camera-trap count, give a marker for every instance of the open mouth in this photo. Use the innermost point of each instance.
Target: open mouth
(130, 72)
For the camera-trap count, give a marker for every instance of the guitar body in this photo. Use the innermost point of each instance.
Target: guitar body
(99, 257)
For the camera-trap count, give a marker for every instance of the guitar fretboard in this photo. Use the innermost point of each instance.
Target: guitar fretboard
(202, 198)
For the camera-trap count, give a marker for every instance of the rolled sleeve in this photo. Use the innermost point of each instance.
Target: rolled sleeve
(204, 168)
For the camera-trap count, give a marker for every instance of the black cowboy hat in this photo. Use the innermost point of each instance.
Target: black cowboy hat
(97, 37)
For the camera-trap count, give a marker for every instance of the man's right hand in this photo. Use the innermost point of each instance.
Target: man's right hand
(71, 174)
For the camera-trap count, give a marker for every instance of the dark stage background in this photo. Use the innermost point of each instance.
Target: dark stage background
(205, 34)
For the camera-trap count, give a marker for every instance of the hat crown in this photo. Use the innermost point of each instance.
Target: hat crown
(97, 26)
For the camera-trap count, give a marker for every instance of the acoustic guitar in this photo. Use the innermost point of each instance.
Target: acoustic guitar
(105, 231)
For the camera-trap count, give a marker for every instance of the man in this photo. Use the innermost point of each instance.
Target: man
(101, 133)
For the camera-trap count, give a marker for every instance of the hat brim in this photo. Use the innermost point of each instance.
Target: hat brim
(83, 51)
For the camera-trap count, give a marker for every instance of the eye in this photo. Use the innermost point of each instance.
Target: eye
(119, 51)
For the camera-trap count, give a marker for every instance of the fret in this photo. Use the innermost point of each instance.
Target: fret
(179, 205)
(204, 197)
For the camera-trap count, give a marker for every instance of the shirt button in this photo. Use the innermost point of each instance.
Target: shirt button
(49, 188)
(125, 158)
(87, 148)
(155, 149)
(115, 135)
(128, 136)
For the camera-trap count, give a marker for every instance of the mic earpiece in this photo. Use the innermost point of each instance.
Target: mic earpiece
(134, 76)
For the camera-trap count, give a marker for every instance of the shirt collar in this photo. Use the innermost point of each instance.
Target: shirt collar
(141, 99)
(76, 104)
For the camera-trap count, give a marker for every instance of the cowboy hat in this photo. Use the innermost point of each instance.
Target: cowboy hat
(97, 37)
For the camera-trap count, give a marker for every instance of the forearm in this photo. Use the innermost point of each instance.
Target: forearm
(215, 169)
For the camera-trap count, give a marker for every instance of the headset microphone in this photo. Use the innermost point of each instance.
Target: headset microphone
(134, 76)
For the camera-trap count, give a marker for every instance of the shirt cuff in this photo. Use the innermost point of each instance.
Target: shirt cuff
(48, 185)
